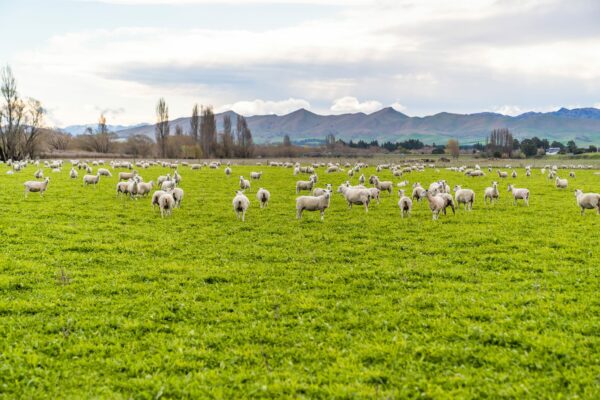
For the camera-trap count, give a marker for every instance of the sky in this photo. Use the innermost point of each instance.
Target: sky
(82, 58)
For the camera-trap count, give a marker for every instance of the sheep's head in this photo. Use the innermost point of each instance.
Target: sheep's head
(510, 188)
(578, 192)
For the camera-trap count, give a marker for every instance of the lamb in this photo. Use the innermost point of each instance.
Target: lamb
(177, 194)
(519, 194)
(240, 204)
(436, 204)
(587, 200)
(104, 172)
(319, 191)
(304, 185)
(491, 193)
(464, 196)
(244, 183)
(561, 183)
(144, 188)
(405, 204)
(383, 186)
(255, 175)
(263, 197)
(502, 174)
(91, 179)
(123, 176)
(36, 186)
(166, 203)
(155, 196)
(355, 195)
(312, 203)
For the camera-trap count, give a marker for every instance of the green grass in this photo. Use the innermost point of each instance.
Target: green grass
(100, 297)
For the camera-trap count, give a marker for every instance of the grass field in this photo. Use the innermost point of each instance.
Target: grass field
(101, 298)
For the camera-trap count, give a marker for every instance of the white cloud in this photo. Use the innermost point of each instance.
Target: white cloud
(262, 107)
(507, 109)
(398, 107)
(349, 104)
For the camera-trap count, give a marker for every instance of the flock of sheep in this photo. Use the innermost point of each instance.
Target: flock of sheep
(437, 194)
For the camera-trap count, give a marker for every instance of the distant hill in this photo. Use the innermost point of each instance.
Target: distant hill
(80, 129)
(581, 125)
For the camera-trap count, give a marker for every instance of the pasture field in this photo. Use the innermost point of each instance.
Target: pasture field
(102, 298)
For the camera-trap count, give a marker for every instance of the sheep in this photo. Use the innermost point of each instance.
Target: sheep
(514, 174)
(91, 179)
(36, 186)
(144, 188)
(383, 186)
(196, 166)
(255, 175)
(227, 171)
(73, 174)
(168, 185)
(304, 185)
(155, 196)
(177, 178)
(177, 194)
(240, 204)
(405, 204)
(132, 187)
(39, 174)
(104, 172)
(561, 183)
(312, 203)
(356, 195)
(449, 202)
(522, 194)
(319, 191)
(402, 184)
(362, 179)
(263, 197)
(122, 187)
(166, 203)
(587, 200)
(528, 173)
(572, 174)
(491, 193)
(502, 174)
(163, 178)
(464, 196)
(418, 192)
(244, 183)
(123, 176)
(436, 204)
(374, 194)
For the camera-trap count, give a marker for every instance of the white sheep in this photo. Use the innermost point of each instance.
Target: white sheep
(374, 194)
(502, 174)
(491, 193)
(362, 179)
(155, 196)
(123, 187)
(571, 174)
(448, 200)
(73, 174)
(91, 179)
(405, 204)
(464, 196)
(587, 200)
(177, 194)
(356, 195)
(144, 188)
(166, 203)
(39, 174)
(418, 192)
(227, 171)
(240, 204)
(123, 176)
(312, 203)
(319, 191)
(263, 197)
(381, 185)
(561, 183)
(244, 183)
(304, 185)
(255, 175)
(436, 204)
(163, 178)
(514, 174)
(36, 186)
(519, 194)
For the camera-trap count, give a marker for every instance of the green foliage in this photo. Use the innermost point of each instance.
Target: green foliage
(101, 298)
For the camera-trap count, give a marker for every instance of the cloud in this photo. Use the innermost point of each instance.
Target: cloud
(262, 107)
(511, 110)
(349, 104)
(398, 107)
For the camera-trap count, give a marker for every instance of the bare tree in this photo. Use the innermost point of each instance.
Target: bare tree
(178, 130)
(330, 141)
(208, 132)
(244, 138)
(500, 142)
(58, 140)
(162, 126)
(453, 148)
(139, 146)
(227, 136)
(195, 124)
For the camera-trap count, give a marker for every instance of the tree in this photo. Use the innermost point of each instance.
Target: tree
(162, 126)
(244, 138)
(100, 141)
(139, 146)
(33, 126)
(58, 140)
(227, 136)
(571, 146)
(500, 141)
(453, 148)
(528, 147)
(330, 141)
(195, 124)
(208, 132)
(178, 130)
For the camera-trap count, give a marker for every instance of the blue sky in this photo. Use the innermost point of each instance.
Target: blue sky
(82, 58)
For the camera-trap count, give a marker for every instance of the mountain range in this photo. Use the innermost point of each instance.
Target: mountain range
(580, 124)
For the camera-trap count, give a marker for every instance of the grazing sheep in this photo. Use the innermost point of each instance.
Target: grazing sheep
(244, 183)
(255, 175)
(374, 194)
(39, 174)
(362, 179)
(155, 196)
(561, 183)
(36, 186)
(168, 185)
(405, 204)
(571, 174)
(319, 191)
(240, 204)
(402, 184)
(304, 185)
(163, 178)
(418, 192)
(491, 193)
(123, 176)
(502, 174)
(519, 194)
(123, 187)
(436, 204)
(177, 194)
(587, 200)
(312, 203)
(227, 171)
(356, 195)
(263, 197)
(381, 185)
(144, 188)
(91, 179)
(514, 174)
(464, 196)
(166, 203)
(104, 172)
(449, 202)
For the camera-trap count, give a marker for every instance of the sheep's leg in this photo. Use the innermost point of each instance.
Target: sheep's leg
(583, 211)
(322, 215)
(299, 213)
(243, 215)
